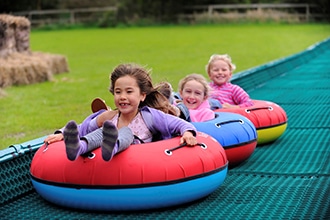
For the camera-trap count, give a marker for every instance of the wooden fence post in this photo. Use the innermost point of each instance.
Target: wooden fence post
(72, 20)
(307, 13)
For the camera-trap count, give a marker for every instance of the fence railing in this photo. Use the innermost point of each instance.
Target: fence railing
(305, 9)
(71, 16)
(75, 16)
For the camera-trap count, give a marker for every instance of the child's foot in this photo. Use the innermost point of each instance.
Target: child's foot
(110, 135)
(71, 140)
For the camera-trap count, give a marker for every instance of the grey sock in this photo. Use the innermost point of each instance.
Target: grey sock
(110, 135)
(125, 138)
(71, 140)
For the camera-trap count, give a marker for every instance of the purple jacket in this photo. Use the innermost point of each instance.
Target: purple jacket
(83, 128)
(162, 126)
(165, 126)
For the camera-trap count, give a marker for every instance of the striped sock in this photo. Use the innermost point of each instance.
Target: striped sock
(110, 135)
(71, 140)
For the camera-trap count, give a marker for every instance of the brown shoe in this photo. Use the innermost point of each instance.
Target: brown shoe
(98, 104)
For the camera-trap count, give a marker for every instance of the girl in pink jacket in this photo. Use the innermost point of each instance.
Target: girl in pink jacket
(194, 91)
(220, 69)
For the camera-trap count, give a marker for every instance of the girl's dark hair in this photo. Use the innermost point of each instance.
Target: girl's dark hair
(153, 98)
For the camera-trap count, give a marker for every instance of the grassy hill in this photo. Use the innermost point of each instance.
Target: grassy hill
(29, 112)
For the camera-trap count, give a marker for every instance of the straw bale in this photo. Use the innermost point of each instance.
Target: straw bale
(22, 34)
(19, 65)
(2, 33)
(23, 69)
(8, 41)
(57, 63)
(5, 80)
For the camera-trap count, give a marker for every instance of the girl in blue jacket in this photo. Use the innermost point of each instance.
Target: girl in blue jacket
(142, 115)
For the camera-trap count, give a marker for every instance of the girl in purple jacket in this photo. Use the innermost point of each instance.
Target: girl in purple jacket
(141, 116)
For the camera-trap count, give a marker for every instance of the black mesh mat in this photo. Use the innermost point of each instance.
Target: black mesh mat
(286, 179)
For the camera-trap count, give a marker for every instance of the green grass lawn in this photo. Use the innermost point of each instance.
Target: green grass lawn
(29, 112)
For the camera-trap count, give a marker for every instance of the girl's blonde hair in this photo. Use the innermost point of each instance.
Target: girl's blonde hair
(197, 77)
(225, 57)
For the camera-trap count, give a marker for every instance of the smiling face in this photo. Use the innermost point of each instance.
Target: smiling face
(127, 95)
(193, 94)
(220, 72)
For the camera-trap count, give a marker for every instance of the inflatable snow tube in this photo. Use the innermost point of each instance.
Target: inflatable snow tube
(234, 132)
(269, 119)
(145, 176)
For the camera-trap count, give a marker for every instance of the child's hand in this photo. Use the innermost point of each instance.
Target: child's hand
(53, 138)
(189, 138)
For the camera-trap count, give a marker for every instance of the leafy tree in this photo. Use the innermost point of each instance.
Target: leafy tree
(9, 6)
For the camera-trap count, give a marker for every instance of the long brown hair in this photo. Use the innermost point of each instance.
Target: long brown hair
(154, 98)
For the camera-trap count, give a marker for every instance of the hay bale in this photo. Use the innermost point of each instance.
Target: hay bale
(8, 44)
(57, 63)
(3, 27)
(22, 34)
(14, 34)
(26, 69)
(5, 72)
(19, 65)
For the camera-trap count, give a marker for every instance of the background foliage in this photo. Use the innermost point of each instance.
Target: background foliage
(161, 11)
